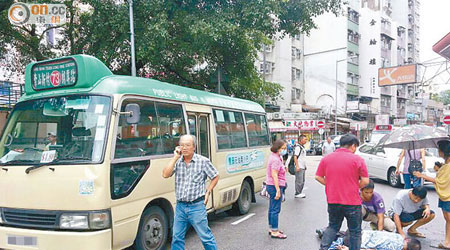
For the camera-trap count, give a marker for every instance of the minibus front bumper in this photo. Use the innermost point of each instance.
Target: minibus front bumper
(20, 238)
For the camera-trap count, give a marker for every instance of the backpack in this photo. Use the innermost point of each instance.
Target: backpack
(291, 162)
(414, 165)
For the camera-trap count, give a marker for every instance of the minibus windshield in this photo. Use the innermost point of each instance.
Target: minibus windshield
(66, 129)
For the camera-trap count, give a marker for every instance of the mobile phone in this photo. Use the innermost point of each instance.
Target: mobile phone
(178, 150)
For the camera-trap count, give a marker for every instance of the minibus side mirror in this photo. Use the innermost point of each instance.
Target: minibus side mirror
(133, 113)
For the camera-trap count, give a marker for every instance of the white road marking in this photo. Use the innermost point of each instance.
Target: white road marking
(243, 219)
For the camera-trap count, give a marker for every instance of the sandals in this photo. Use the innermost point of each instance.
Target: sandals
(416, 234)
(281, 232)
(442, 246)
(280, 236)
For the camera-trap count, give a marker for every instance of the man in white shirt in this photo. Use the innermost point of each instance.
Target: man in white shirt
(328, 147)
(300, 167)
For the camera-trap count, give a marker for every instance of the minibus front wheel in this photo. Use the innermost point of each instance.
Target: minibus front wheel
(153, 229)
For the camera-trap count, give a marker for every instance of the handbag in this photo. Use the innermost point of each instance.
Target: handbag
(264, 192)
(414, 165)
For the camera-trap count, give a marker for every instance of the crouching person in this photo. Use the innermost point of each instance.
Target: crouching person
(373, 209)
(411, 206)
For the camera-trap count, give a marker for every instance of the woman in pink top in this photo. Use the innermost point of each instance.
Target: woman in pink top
(276, 184)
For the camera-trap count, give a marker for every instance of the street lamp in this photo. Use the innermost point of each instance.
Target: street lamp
(336, 96)
(133, 60)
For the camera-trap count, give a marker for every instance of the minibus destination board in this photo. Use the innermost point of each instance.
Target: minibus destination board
(54, 74)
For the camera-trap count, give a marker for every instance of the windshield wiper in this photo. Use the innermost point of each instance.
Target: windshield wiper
(27, 171)
(18, 162)
(56, 161)
(73, 158)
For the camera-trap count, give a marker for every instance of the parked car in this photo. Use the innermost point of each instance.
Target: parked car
(316, 149)
(381, 162)
(336, 140)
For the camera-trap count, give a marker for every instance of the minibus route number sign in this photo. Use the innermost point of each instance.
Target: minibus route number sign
(54, 74)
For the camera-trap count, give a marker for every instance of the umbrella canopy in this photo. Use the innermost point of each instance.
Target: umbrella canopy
(414, 137)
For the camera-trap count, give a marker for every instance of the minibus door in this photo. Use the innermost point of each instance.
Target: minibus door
(199, 126)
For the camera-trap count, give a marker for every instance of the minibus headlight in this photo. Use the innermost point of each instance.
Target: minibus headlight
(74, 221)
(99, 220)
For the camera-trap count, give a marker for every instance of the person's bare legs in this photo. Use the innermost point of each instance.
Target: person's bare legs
(420, 222)
(447, 228)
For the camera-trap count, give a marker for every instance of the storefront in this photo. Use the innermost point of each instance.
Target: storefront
(277, 130)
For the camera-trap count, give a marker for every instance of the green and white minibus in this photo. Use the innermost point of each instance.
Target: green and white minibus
(99, 185)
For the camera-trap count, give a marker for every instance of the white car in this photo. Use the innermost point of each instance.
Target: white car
(381, 162)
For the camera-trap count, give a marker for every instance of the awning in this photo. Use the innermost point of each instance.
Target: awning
(309, 108)
(343, 119)
(277, 126)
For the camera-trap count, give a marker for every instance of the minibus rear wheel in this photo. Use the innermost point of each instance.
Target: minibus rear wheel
(153, 229)
(242, 205)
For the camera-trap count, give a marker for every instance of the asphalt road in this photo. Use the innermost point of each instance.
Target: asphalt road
(298, 219)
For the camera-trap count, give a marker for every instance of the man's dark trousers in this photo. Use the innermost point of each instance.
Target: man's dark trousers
(336, 215)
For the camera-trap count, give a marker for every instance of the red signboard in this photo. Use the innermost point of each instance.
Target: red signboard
(383, 127)
(447, 119)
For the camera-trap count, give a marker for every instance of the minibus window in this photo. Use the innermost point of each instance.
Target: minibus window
(68, 129)
(158, 131)
(229, 129)
(257, 130)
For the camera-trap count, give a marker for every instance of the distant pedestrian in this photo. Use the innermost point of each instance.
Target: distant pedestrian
(328, 147)
(290, 147)
(300, 166)
(343, 173)
(276, 184)
(411, 206)
(191, 171)
(409, 155)
(373, 209)
(442, 185)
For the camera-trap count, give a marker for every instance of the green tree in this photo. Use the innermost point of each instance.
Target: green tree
(182, 42)
(444, 97)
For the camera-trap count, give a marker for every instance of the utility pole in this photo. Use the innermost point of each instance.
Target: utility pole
(219, 79)
(264, 73)
(133, 59)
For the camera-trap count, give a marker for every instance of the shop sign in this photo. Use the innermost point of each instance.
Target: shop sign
(399, 122)
(303, 124)
(382, 119)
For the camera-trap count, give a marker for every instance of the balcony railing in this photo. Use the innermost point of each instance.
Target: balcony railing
(9, 94)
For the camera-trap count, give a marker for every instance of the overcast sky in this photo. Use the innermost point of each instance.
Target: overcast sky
(434, 24)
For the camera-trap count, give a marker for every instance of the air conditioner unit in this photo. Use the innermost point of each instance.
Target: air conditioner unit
(277, 116)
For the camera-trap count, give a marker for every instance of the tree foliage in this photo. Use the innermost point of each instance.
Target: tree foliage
(182, 42)
(443, 97)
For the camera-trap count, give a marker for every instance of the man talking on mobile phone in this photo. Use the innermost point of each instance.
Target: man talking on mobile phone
(191, 171)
